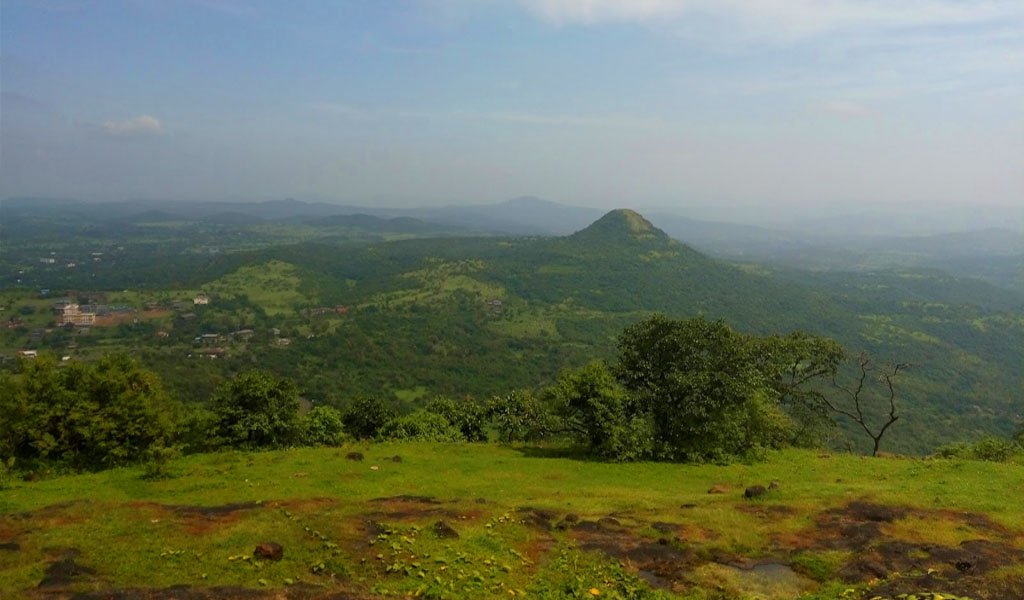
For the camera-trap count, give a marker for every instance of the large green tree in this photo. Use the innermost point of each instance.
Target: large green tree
(712, 393)
(698, 381)
(256, 410)
(84, 415)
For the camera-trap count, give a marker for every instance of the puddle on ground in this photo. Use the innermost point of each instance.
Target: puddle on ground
(768, 581)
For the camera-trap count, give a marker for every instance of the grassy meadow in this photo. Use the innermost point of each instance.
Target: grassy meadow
(490, 521)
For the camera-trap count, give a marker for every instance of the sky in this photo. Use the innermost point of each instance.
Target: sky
(785, 105)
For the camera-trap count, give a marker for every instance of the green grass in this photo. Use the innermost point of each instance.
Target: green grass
(317, 504)
(275, 286)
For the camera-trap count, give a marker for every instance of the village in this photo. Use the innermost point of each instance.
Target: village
(63, 323)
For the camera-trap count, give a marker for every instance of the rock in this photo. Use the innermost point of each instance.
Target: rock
(572, 518)
(445, 531)
(719, 488)
(754, 491)
(354, 456)
(774, 485)
(269, 551)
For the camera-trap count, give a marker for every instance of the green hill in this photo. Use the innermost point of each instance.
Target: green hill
(483, 316)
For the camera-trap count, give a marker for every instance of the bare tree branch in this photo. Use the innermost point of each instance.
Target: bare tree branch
(855, 397)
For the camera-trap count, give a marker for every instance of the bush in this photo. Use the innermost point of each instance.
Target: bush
(157, 465)
(956, 450)
(994, 449)
(521, 417)
(420, 425)
(6, 472)
(365, 417)
(256, 410)
(323, 426)
(991, 449)
(467, 416)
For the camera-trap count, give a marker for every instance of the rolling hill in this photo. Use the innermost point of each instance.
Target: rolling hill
(484, 315)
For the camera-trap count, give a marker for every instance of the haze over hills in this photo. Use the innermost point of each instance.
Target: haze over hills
(993, 254)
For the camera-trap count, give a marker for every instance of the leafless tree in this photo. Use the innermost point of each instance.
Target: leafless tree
(854, 401)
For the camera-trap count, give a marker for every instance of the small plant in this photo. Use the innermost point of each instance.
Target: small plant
(158, 460)
(6, 472)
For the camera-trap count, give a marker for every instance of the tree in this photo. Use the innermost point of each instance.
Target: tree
(84, 415)
(256, 410)
(599, 412)
(701, 387)
(323, 426)
(365, 417)
(854, 402)
(795, 365)
(522, 417)
(465, 415)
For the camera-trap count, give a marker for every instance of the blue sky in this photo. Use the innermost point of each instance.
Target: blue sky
(794, 104)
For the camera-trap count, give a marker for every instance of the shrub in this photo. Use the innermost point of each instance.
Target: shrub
(157, 465)
(6, 472)
(364, 418)
(467, 416)
(256, 410)
(521, 417)
(323, 426)
(955, 450)
(993, 449)
(420, 425)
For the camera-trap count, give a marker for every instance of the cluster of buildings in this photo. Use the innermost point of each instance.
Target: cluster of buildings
(69, 313)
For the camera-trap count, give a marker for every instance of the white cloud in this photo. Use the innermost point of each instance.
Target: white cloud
(780, 19)
(140, 125)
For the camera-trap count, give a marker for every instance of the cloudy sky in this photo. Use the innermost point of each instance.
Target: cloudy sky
(792, 103)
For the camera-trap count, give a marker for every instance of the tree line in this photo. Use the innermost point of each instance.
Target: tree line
(689, 390)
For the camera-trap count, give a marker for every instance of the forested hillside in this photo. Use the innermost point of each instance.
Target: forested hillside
(481, 316)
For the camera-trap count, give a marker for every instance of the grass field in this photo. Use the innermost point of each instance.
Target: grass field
(273, 286)
(480, 521)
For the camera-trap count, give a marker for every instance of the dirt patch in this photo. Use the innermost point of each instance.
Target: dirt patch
(855, 526)
(660, 563)
(684, 531)
(202, 519)
(408, 498)
(184, 592)
(212, 512)
(905, 567)
(303, 505)
(767, 511)
(405, 508)
(64, 570)
(538, 518)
